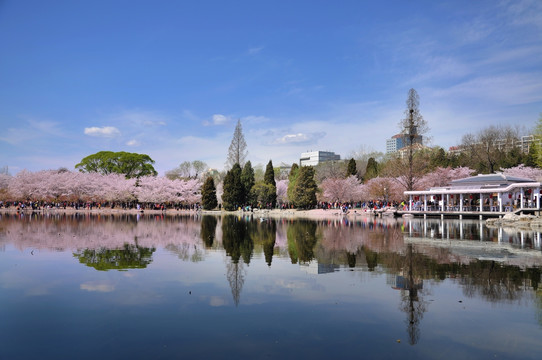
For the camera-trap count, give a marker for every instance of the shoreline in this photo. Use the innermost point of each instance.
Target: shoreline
(263, 213)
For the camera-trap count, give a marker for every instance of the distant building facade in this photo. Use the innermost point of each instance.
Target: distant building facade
(523, 143)
(313, 158)
(401, 141)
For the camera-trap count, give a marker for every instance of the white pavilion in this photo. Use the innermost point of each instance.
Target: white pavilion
(482, 193)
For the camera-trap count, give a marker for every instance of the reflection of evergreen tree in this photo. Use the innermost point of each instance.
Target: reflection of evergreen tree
(372, 259)
(129, 257)
(267, 234)
(208, 230)
(301, 236)
(351, 258)
(236, 239)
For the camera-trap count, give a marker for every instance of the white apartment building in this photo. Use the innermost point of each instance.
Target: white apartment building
(313, 158)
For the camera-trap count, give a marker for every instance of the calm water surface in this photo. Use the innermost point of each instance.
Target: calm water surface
(114, 287)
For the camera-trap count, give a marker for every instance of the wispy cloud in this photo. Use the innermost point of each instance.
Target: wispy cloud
(106, 131)
(138, 117)
(255, 50)
(133, 142)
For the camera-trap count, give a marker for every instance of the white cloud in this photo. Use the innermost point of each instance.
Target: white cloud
(219, 119)
(106, 131)
(299, 138)
(133, 142)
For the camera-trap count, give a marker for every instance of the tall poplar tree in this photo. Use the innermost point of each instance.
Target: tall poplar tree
(237, 152)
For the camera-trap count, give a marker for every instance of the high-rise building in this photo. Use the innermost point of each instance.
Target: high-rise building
(400, 141)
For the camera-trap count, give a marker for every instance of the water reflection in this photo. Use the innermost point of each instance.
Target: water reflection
(130, 256)
(496, 265)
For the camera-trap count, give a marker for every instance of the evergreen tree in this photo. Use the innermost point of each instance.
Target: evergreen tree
(208, 194)
(304, 191)
(351, 169)
(237, 151)
(269, 179)
(371, 171)
(530, 159)
(292, 179)
(247, 178)
(439, 158)
(233, 196)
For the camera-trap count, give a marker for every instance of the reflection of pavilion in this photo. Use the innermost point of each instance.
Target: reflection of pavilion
(489, 194)
(314, 267)
(425, 229)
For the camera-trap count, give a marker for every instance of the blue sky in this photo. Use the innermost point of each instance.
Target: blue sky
(171, 78)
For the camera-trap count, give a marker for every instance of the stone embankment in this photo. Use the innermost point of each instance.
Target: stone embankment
(526, 222)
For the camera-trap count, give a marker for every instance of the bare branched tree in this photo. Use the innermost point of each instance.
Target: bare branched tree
(237, 152)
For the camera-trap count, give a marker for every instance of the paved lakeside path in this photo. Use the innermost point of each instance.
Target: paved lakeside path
(257, 213)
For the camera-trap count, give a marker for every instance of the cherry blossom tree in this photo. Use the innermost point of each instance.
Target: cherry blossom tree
(523, 171)
(342, 190)
(384, 188)
(282, 191)
(443, 176)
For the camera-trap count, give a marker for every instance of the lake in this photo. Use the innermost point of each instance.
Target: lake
(88, 286)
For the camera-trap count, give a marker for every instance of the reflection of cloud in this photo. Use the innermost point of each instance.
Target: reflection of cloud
(106, 131)
(97, 287)
(217, 301)
(291, 284)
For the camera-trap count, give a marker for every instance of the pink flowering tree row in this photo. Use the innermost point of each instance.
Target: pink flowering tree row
(380, 188)
(48, 185)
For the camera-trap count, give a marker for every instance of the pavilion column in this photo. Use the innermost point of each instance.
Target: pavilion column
(424, 202)
(521, 198)
(442, 203)
(461, 202)
(410, 203)
(448, 200)
(481, 202)
(538, 198)
(499, 197)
